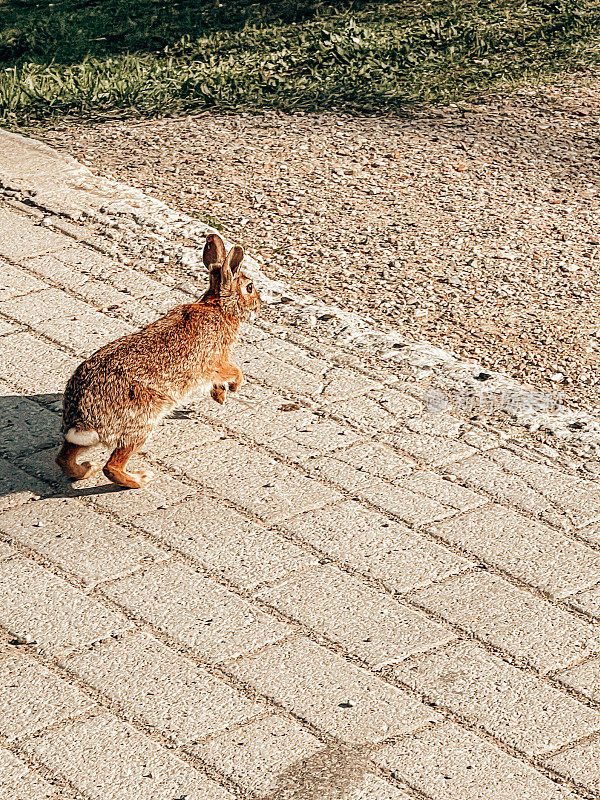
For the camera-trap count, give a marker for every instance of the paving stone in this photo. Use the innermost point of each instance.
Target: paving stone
(67, 320)
(522, 624)
(35, 366)
(8, 327)
(251, 395)
(178, 433)
(32, 698)
(277, 373)
(591, 534)
(142, 310)
(579, 498)
(165, 300)
(294, 355)
(162, 492)
(166, 690)
(6, 551)
(372, 788)
(18, 782)
(515, 706)
(291, 451)
(136, 284)
(376, 459)
(196, 611)
(451, 494)
(336, 696)
(26, 426)
(252, 333)
(369, 542)
(344, 475)
(100, 295)
(588, 601)
(447, 762)
(263, 421)
(580, 763)
(342, 383)
(256, 754)
(20, 237)
(266, 426)
(442, 424)
(78, 539)
(15, 282)
(49, 304)
(36, 603)
(323, 435)
(484, 474)
(432, 450)
(413, 508)
(56, 269)
(241, 550)
(481, 439)
(401, 404)
(248, 400)
(528, 550)
(87, 335)
(17, 487)
(367, 622)
(96, 265)
(139, 312)
(365, 412)
(585, 678)
(256, 482)
(109, 760)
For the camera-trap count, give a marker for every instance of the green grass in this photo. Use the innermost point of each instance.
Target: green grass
(100, 58)
(208, 219)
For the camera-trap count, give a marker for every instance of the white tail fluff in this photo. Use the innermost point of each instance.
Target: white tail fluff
(83, 438)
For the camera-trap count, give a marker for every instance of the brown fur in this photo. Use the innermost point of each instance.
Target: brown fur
(124, 389)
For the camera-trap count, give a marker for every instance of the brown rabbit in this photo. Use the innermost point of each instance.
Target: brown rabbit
(120, 394)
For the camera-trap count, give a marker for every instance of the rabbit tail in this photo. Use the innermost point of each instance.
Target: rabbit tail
(81, 436)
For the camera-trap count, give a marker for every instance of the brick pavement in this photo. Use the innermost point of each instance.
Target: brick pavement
(325, 593)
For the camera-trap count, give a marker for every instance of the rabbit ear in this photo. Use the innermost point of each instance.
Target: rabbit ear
(231, 265)
(214, 250)
(235, 258)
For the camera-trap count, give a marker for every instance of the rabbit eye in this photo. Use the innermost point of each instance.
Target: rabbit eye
(249, 287)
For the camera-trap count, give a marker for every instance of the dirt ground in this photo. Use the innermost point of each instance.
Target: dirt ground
(474, 227)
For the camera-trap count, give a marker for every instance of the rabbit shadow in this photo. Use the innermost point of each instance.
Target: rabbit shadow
(30, 435)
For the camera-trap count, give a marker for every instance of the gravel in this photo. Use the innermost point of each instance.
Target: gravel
(475, 227)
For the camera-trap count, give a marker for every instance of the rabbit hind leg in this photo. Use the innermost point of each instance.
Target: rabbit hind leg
(115, 468)
(67, 461)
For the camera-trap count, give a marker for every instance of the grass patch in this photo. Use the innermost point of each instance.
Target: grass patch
(208, 219)
(98, 58)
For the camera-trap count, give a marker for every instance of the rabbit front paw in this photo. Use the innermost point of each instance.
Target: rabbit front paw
(219, 393)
